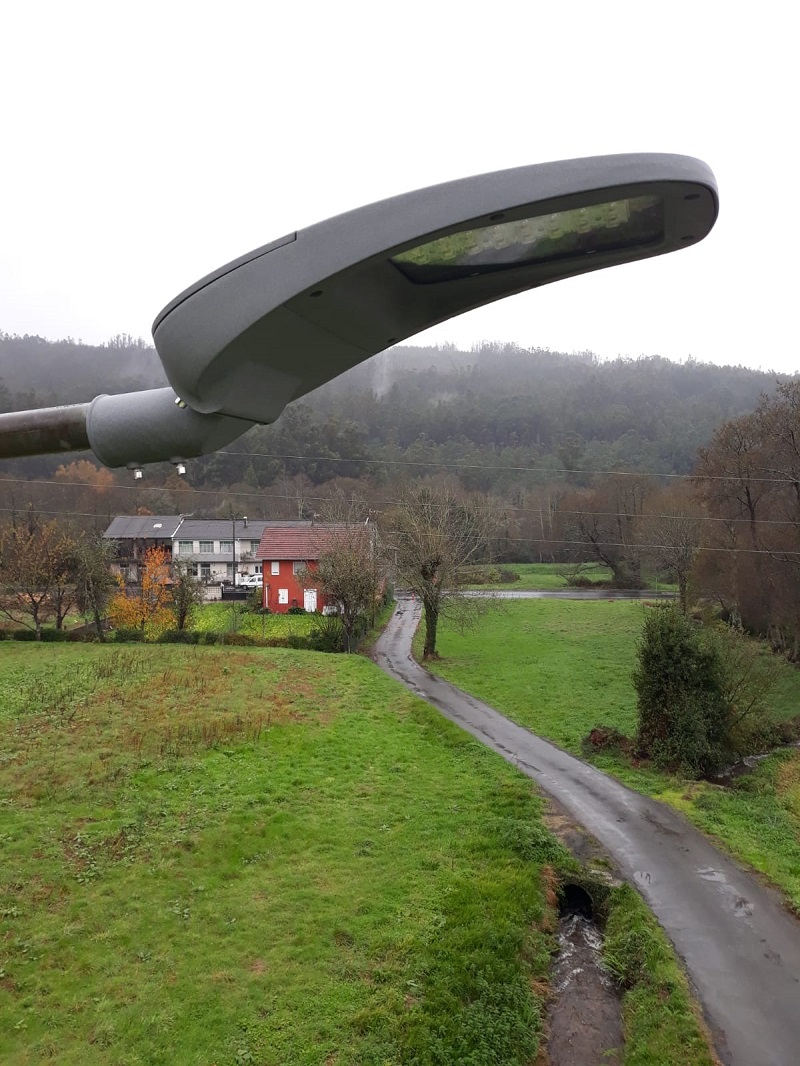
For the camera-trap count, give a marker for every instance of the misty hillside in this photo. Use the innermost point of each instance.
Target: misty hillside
(483, 414)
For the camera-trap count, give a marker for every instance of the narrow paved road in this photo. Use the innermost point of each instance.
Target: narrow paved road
(740, 947)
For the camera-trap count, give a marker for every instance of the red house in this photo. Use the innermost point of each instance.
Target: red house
(286, 550)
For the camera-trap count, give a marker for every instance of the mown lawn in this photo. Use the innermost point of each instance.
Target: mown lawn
(224, 856)
(561, 668)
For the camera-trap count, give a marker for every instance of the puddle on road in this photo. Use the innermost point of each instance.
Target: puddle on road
(584, 1019)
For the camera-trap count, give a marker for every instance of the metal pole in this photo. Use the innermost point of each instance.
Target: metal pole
(233, 548)
(45, 430)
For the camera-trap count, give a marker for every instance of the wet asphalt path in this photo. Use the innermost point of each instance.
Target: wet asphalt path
(740, 947)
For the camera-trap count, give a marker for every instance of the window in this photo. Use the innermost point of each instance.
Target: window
(276, 566)
(205, 571)
(254, 545)
(298, 565)
(185, 547)
(283, 595)
(193, 570)
(206, 547)
(226, 546)
(258, 568)
(229, 571)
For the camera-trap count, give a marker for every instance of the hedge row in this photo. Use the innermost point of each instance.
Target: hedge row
(49, 636)
(171, 636)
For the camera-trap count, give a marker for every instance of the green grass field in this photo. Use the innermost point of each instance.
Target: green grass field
(221, 856)
(561, 668)
(232, 618)
(545, 576)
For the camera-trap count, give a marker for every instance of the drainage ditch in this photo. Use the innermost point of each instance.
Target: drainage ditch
(584, 1020)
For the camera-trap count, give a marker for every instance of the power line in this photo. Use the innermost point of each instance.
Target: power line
(437, 464)
(324, 499)
(512, 540)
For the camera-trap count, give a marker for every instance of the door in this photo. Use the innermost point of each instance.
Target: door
(310, 599)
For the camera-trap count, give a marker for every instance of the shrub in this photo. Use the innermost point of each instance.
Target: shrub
(23, 634)
(239, 640)
(208, 638)
(178, 636)
(125, 634)
(327, 635)
(296, 610)
(52, 636)
(605, 738)
(682, 711)
(294, 640)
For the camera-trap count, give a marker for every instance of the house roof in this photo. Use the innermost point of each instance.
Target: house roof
(141, 527)
(298, 540)
(220, 529)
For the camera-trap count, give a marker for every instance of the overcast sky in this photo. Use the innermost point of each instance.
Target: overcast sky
(145, 144)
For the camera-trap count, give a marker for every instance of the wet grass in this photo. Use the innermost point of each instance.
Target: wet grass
(562, 668)
(218, 856)
(542, 576)
(233, 618)
(545, 576)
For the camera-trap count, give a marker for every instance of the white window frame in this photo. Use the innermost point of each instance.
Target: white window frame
(298, 566)
(283, 596)
(206, 547)
(276, 567)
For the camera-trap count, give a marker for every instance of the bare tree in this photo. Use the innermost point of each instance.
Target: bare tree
(607, 520)
(350, 569)
(672, 530)
(94, 580)
(435, 534)
(187, 593)
(35, 569)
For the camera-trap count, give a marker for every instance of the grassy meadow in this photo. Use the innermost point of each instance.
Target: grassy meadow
(221, 856)
(560, 668)
(233, 618)
(546, 577)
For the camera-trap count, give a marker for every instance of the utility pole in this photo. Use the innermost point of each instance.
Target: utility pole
(233, 546)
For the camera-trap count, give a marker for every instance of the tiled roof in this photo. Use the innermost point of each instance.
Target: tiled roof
(150, 527)
(300, 542)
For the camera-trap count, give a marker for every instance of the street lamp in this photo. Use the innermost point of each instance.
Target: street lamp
(269, 327)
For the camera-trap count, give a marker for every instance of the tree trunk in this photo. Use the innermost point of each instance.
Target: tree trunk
(431, 622)
(683, 592)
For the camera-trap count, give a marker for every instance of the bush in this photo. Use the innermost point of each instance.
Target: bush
(328, 634)
(52, 636)
(296, 610)
(22, 634)
(679, 680)
(178, 636)
(294, 640)
(239, 640)
(606, 738)
(126, 634)
(208, 638)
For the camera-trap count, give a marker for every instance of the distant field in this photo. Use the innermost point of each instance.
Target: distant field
(219, 856)
(545, 576)
(561, 668)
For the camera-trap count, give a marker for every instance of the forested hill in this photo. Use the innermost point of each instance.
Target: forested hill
(426, 409)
